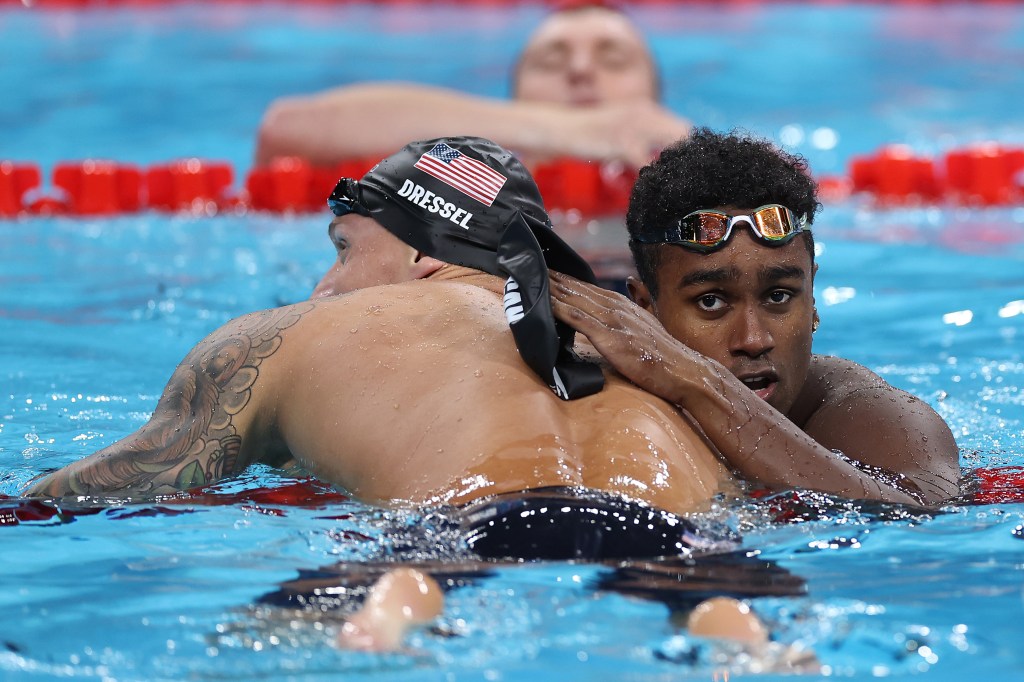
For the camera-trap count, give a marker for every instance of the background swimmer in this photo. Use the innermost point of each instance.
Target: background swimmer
(585, 86)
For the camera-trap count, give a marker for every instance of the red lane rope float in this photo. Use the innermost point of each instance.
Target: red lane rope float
(980, 175)
(305, 493)
(291, 184)
(987, 174)
(995, 485)
(99, 187)
(190, 185)
(593, 189)
(15, 181)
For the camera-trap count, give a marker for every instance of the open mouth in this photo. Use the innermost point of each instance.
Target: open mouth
(762, 386)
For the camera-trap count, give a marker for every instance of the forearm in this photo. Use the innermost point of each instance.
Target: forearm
(763, 445)
(363, 121)
(860, 415)
(133, 467)
(369, 120)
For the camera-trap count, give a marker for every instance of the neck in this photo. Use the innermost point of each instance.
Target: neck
(449, 272)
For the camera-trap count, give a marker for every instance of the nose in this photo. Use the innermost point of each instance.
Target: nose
(581, 66)
(752, 336)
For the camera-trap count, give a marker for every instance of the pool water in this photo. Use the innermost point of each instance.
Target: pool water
(96, 313)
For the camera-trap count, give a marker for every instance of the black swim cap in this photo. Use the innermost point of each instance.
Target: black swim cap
(467, 201)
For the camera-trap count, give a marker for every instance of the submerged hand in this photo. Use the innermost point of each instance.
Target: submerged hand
(732, 620)
(400, 600)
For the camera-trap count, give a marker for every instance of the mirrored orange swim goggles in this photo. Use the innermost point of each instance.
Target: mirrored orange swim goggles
(706, 230)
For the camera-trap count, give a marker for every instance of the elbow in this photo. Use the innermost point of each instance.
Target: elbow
(938, 490)
(280, 132)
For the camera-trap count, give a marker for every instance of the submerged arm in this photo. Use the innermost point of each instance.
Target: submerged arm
(893, 447)
(203, 428)
(368, 120)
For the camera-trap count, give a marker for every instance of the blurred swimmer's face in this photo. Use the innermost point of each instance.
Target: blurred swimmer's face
(585, 57)
(367, 255)
(747, 305)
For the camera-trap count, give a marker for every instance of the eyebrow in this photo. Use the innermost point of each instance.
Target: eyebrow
(776, 272)
(708, 276)
(331, 227)
(560, 45)
(771, 273)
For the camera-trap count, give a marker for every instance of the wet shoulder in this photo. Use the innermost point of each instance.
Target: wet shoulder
(838, 377)
(406, 315)
(412, 300)
(830, 381)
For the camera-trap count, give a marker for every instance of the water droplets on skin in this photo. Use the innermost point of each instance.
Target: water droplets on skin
(884, 476)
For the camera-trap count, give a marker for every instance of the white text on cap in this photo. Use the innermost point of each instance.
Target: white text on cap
(434, 203)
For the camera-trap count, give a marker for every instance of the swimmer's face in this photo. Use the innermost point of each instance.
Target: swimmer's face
(367, 255)
(747, 305)
(585, 57)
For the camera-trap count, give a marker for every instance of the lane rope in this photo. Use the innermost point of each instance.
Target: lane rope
(989, 174)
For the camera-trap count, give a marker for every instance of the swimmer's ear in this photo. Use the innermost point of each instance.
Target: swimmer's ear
(640, 294)
(424, 266)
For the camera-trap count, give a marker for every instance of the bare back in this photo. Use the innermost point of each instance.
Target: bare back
(415, 392)
(410, 392)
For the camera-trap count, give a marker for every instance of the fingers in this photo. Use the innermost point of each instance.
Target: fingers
(576, 301)
(582, 306)
(575, 292)
(661, 130)
(632, 132)
(620, 330)
(641, 153)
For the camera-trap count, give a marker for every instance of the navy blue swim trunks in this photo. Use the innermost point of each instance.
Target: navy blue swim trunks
(646, 552)
(563, 523)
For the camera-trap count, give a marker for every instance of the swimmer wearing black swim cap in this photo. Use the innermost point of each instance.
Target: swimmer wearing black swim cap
(467, 201)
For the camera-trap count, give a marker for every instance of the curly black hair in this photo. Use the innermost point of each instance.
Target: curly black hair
(708, 170)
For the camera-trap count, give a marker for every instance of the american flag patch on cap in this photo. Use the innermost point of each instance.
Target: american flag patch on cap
(466, 174)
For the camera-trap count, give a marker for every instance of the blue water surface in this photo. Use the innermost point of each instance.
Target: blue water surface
(97, 312)
(830, 80)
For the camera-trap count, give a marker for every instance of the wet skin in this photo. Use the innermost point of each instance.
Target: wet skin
(728, 340)
(748, 306)
(412, 392)
(367, 256)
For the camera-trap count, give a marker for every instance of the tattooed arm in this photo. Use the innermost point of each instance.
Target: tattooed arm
(204, 427)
